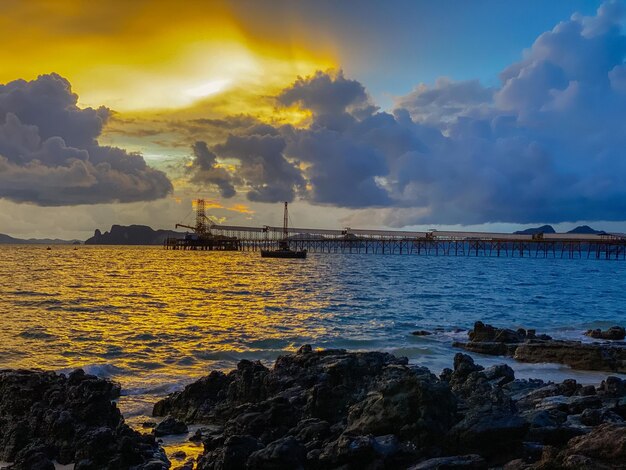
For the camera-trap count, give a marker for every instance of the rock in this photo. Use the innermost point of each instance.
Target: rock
(613, 387)
(471, 461)
(489, 432)
(148, 424)
(232, 455)
(487, 339)
(575, 354)
(487, 333)
(46, 416)
(487, 348)
(421, 333)
(170, 426)
(179, 455)
(283, 453)
(408, 405)
(595, 417)
(615, 333)
(500, 374)
(331, 409)
(606, 444)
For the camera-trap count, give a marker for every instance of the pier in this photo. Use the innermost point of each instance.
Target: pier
(213, 236)
(433, 243)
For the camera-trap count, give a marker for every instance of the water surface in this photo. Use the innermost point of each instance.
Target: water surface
(155, 319)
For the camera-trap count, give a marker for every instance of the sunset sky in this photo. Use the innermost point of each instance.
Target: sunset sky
(487, 114)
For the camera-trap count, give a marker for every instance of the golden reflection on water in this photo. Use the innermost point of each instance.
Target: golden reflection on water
(140, 310)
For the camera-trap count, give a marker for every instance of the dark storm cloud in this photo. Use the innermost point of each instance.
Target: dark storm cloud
(49, 153)
(267, 174)
(204, 170)
(325, 93)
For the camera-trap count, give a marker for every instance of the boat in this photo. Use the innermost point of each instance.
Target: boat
(284, 251)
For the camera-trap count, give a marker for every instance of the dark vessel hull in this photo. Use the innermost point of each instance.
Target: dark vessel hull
(283, 254)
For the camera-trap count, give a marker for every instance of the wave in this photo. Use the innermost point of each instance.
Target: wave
(103, 370)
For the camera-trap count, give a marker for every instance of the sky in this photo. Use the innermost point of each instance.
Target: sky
(484, 115)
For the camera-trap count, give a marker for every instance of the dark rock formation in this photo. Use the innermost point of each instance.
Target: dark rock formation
(527, 346)
(615, 333)
(421, 333)
(333, 409)
(319, 409)
(575, 354)
(132, 235)
(45, 417)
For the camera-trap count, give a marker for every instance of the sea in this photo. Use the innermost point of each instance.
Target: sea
(155, 320)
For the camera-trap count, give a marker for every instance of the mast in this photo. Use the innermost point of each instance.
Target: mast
(285, 223)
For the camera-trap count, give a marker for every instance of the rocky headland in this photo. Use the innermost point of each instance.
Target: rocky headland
(328, 409)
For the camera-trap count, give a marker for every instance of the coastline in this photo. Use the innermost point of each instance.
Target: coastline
(334, 408)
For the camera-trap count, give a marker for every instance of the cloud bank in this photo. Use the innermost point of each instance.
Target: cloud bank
(547, 144)
(50, 156)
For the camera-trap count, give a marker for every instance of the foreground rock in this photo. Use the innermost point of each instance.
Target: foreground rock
(527, 346)
(45, 417)
(334, 409)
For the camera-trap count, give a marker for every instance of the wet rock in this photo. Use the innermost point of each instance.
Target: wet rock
(575, 354)
(615, 333)
(471, 461)
(421, 333)
(46, 416)
(170, 426)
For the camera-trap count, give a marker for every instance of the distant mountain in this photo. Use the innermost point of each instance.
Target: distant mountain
(533, 231)
(585, 229)
(8, 240)
(131, 235)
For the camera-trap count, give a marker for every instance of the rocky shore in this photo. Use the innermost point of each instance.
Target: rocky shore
(334, 409)
(328, 409)
(46, 417)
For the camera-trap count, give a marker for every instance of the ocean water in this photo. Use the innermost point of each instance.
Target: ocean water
(155, 320)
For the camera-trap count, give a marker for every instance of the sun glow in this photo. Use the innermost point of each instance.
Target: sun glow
(151, 57)
(208, 88)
